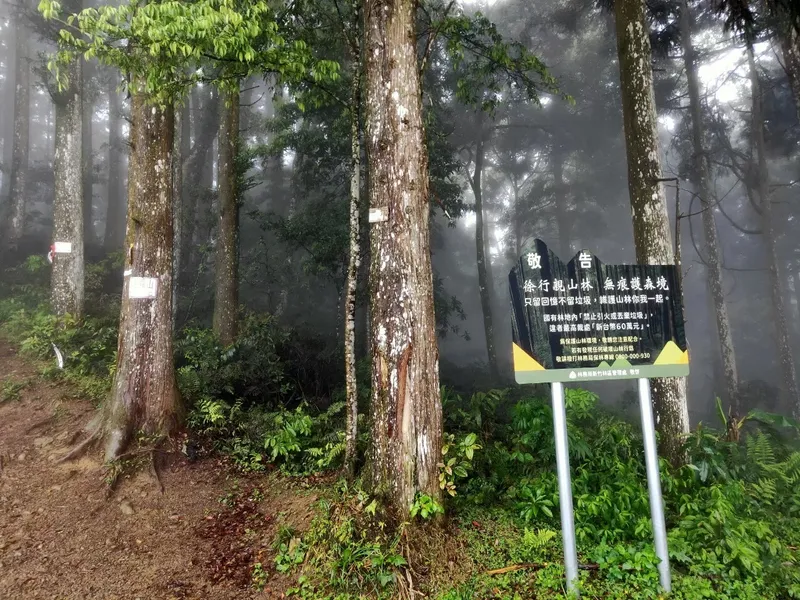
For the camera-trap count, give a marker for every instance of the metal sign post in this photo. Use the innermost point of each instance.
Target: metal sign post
(565, 487)
(587, 321)
(654, 485)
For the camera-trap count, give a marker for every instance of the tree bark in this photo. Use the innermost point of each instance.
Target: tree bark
(790, 46)
(406, 402)
(189, 189)
(226, 299)
(484, 281)
(144, 394)
(68, 236)
(277, 181)
(179, 143)
(115, 212)
(197, 169)
(651, 227)
(562, 208)
(517, 219)
(353, 266)
(713, 256)
(768, 229)
(87, 159)
(19, 161)
(7, 131)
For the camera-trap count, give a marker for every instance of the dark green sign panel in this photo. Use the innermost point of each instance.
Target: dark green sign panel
(584, 320)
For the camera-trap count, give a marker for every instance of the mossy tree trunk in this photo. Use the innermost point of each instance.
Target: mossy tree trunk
(651, 229)
(144, 394)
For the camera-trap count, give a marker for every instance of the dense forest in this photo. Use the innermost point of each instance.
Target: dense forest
(274, 239)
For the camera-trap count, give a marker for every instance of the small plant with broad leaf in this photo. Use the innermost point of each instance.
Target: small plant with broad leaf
(457, 464)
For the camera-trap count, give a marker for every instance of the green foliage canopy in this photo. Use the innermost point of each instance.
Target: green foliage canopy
(166, 47)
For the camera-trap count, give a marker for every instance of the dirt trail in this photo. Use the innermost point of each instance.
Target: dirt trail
(62, 538)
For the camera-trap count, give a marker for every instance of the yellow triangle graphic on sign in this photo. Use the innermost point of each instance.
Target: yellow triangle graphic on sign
(672, 355)
(524, 362)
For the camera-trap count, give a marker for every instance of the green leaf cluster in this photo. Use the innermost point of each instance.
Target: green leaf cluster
(165, 47)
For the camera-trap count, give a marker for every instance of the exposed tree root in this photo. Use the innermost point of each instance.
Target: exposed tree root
(117, 461)
(94, 431)
(38, 424)
(134, 460)
(154, 472)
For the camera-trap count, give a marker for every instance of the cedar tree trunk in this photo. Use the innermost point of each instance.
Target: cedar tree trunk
(713, 257)
(353, 266)
(87, 162)
(226, 298)
(484, 280)
(19, 161)
(768, 228)
(144, 394)
(406, 402)
(67, 277)
(651, 229)
(179, 141)
(115, 212)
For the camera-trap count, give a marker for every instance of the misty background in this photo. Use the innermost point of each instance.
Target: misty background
(555, 171)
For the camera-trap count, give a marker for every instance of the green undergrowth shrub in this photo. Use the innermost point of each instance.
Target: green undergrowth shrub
(732, 513)
(25, 286)
(242, 399)
(87, 347)
(348, 550)
(250, 371)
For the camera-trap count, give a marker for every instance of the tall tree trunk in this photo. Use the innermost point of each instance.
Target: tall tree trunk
(178, 144)
(484, 281)
(790, 46)
(713, 257)
(277, 181)
(144, 394)
(19, 161)
(353, 266)
(406, 402)
(87, 159)
(7, 130)
(67, 277)
(794, 305)
(198, 171)
(115, 211)
(562, 207)
(768, 229)
(226, 299)
(189, 189)
(517, 219)
(651, 227)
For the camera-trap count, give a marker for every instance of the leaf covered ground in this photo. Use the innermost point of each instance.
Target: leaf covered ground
(62, 536)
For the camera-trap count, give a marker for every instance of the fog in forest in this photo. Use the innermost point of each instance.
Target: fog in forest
(553, 169)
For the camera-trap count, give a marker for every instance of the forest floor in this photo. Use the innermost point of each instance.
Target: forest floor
(63, 535)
